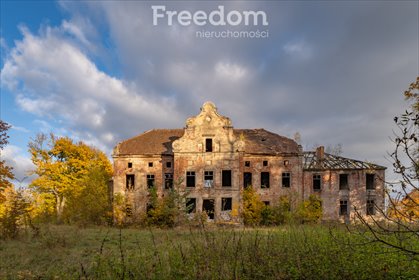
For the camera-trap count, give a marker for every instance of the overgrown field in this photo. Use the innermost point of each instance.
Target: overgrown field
(286, 252)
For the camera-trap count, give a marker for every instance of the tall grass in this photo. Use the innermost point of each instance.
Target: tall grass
(287, 252)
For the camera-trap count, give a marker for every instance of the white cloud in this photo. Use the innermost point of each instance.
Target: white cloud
(230, 71)
(22, 165)
(61, 82)
(299, 49)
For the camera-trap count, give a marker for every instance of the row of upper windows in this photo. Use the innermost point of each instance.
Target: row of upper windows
(344, 182)
(226, 180)
(151, 164)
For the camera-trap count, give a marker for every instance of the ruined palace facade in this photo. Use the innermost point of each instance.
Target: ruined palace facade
(212, 162)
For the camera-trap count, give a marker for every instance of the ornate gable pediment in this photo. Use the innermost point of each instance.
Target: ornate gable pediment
(207, 124)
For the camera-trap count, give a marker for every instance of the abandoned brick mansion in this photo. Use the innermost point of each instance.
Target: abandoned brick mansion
(213, 162)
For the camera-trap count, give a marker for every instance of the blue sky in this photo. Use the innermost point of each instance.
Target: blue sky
(99, 71)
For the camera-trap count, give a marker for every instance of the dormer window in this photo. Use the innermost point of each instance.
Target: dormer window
(208, 145)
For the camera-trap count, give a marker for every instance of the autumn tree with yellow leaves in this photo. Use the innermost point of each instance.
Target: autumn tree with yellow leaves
(73, 177)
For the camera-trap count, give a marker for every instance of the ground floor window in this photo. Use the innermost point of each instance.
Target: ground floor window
(343, 209)
(150, 181)
(370, 207)
(190, 205)
(208, 207)
(226, 203)
(168, 180)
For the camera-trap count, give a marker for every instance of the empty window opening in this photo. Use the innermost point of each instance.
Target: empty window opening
(265, 163)
(317, 182)
(343, 182)
(226, 178)
(370, 207)
(370, 181)
(128, 210)
(168, 180)
(190, 205)
(208, 145)
(208, 179)
(150, 164)
(286, 180)
(129, 164)
(264, 179)
(208, 207)
(286, 162)
(343, 208)
(150, 181)
(247, 179)
(190, 179)
(226, 203)
(267, 203)
(169, 164)
(247, 163)
(130, 182)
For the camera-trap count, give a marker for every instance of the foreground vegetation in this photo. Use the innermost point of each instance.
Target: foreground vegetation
(287, 252)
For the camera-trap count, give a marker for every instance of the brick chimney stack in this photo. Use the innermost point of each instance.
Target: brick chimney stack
(320, 152)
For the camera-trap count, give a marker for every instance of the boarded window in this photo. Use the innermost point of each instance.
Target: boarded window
(264, 180)
(208, 207)
(370, 181)
(190, 205)
(169, 164)
(129, 164)
(226, 203)
(208, 179)
(370, 207)
(317, 182)
(150, 181)
(286, 180)
(130, 182)
(168, 180)
(265, 163)
(208, 145)
(226, 178)
(247, 163)
(343, 208)
(247, 179)
(343, 182)
(190, 179)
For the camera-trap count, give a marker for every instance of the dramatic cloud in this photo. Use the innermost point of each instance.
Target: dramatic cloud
(332, 71)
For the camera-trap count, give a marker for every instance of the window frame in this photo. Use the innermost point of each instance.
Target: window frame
(190, 175)
(151, 178)
(317, 178)
(286, 176)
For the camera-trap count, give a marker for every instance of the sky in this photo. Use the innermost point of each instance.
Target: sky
(101, 71)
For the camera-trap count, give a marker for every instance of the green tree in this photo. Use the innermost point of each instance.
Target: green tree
(75, 174)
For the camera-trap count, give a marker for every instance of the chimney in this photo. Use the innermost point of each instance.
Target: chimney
(320, 152)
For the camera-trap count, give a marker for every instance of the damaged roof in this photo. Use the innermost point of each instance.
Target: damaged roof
(159, 141)
(332, 162)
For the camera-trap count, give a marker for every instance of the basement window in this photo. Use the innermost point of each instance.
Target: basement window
(370, 207)
(168, 181)
(286, 180)
(247, 179)
(208, 145)
(247, 163)
(226, 203)
(150, 181)
(190, 179)
(265, 163)
(343, 208)
(370, 181)
(128, 210)
(130, 182)
(264, 180)
(343, 182)
(317, 182)
(190, 205)
(169, 164)
(129, 164)
(208, 179)
(267, 203)
(226, 178)
(150, 164)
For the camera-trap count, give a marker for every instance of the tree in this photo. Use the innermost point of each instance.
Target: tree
(5, 171)
(74, 174)
(252, 207)
(399, 225)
